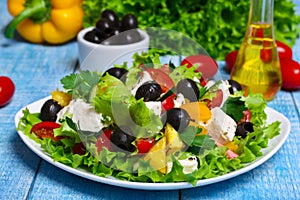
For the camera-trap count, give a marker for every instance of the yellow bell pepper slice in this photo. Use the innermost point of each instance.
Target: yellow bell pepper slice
(157, 155)
(199, 114)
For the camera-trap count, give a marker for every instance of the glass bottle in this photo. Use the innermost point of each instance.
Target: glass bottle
(257, 66)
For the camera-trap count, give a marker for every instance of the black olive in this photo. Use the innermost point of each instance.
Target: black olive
(92, 37)
(122, 38)
(111, 16)
(234, 86)
(122, 139)
(116, 30)
(130, 36)
(103, 28)
(243, 129)
(178, 118)
(117, 72)
(49, 110)
(188, 88)
(150, 91)
(129, 21)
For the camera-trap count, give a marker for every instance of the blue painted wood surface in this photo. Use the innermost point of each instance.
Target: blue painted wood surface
(37, 69)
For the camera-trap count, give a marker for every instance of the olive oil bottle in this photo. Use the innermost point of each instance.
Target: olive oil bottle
(257, 67)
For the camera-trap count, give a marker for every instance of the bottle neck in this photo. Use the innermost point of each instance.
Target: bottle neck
(261, 12)
(260, 22)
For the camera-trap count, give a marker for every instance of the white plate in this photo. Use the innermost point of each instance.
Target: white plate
(274, 146)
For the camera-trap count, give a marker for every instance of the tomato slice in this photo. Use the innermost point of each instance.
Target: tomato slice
(45, 130)
(79, 148)
(247, 116)
(165, 82)
(206, 65)
(144, 144)
(104, 140)
(218, 99)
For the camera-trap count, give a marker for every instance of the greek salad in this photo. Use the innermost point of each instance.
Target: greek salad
(151, 122)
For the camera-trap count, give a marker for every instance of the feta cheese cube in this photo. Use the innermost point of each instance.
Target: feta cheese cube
(221, 127)
(155, 106)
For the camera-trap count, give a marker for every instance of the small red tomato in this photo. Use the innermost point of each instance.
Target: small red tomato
(161, 78)
(45, 130)
(290, 71)
(258, 32)
(104, 140)
(79, 148)
(144, 144)
(230, 59)
(266, 55)
(284, 51)
(7, 90)
(206, 65)
(168, 103)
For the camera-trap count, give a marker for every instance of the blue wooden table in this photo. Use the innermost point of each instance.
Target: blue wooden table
(37, 69)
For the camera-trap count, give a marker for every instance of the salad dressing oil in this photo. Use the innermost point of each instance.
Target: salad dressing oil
(257, 67)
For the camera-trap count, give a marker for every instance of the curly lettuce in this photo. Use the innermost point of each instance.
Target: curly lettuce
(218, 26)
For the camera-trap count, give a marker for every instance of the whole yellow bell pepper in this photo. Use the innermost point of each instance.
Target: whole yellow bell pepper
(45, 21)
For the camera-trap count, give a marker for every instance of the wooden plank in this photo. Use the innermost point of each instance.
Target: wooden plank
(33, 80)
(35, 70)
(55, 183)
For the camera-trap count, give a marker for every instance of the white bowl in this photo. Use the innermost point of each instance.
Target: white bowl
(99, 57)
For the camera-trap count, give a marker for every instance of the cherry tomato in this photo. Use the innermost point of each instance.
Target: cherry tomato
(257, 32)
(165, 68)
(266, 55)
(79, 148)
(230, 59)
(45, 130)
(104, 140)
(168, 103)
(144, 144)
(7, 90)
(290, 71)
(165, 82)
(284, 51)
(206, 65)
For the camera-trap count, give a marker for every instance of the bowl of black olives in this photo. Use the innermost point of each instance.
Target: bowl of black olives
(111, 41)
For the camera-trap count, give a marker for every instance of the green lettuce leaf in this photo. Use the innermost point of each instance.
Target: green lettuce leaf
(81, 85)
(234, 107)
